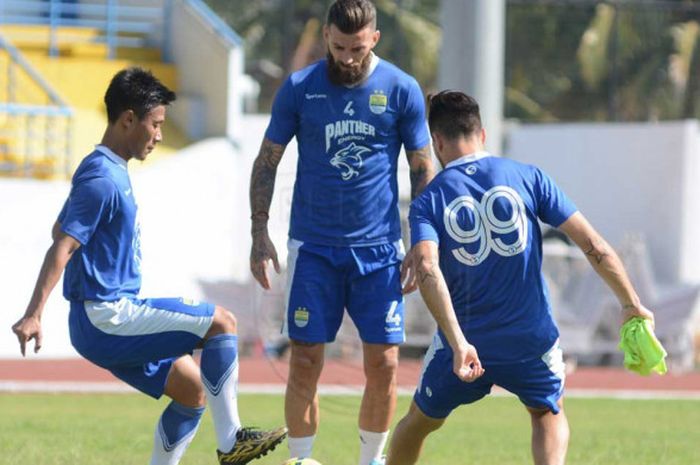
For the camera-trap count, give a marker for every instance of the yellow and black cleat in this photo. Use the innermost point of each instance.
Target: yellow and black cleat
(251, 443)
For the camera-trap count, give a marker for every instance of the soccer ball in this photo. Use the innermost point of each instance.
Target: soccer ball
(298, 461)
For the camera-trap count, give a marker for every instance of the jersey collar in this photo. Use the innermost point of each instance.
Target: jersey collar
(467, 159)
(111, 155)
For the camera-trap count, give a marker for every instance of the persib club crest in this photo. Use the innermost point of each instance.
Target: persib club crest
(301, 317)
(377, 102)
(349, 160)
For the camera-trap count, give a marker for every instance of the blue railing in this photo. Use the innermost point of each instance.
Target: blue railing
(119, 25)
(217, 24)
(35, 138)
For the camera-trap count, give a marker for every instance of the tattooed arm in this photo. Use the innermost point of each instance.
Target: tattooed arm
(422, 172)
(262, 185)
(422, 169)
(606, 263)
(433, 288)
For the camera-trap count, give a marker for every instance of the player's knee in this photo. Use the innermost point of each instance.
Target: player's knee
(224, 321)
(383, 366)
(306, 359)
(304, 373)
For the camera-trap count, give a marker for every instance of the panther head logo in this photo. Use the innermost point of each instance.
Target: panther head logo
(349, 160)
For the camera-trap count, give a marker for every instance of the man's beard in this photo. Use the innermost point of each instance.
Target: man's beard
(345, 76)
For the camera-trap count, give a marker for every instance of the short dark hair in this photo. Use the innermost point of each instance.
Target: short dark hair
(453, 114)
(135, 89)
(351, 16)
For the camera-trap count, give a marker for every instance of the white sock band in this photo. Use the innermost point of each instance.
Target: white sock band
(300, 447)
(371, 446)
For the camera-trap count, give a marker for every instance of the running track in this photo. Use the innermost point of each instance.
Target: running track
(259, 374)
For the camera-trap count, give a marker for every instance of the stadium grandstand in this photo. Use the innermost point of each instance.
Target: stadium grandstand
(57, 56)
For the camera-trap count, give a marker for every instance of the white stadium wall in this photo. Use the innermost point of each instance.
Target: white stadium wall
(638, 178)
(27, 213)
(209, 61)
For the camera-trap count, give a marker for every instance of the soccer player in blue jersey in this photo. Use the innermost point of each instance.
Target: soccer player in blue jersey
(477, 251)
(145, 342)
(350, 113)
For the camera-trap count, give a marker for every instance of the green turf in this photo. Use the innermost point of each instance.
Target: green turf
(117, 429)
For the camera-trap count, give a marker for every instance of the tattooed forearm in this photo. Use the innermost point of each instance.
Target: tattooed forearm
(426, 270)
(434, 290)
(422, 169)
(597, 250)
(262, 181)
(425, 275)
(418, 181)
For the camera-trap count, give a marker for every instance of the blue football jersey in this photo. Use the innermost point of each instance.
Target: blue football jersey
(483, 212)
(101, 214)
(349, 138)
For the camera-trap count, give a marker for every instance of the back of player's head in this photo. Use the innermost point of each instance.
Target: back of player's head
(135, 89)
(453, 114)
(351, 16)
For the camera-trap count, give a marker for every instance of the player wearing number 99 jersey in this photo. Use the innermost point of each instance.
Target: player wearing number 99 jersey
(477, 254)
(482, 211)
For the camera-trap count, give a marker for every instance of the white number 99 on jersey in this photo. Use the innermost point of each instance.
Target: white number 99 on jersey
(486, 229)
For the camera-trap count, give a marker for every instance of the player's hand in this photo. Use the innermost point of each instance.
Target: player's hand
(262, 251)
(26, 329)
(466, 363)
(408, 274)
(631, 311)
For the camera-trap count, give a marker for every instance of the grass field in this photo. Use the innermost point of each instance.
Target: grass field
(41, 429)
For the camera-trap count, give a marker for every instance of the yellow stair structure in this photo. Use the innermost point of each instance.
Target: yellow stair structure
(79, 74)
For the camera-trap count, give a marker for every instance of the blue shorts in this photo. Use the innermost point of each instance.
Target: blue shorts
(324, 281)
(539, 383)
(139, 339)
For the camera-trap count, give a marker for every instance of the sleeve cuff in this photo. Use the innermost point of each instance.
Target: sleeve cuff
(78, 237)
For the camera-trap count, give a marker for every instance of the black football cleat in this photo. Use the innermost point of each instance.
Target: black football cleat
(251, 443)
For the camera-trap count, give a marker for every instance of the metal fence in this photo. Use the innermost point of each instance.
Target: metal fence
(35, 122)
(117, 23)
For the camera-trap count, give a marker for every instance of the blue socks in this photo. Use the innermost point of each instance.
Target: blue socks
(176, 429)
(219, 368)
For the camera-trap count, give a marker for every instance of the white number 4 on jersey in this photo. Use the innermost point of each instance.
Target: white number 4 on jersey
(393, 318)
(348, 109)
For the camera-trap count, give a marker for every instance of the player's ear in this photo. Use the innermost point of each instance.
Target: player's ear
(482, 136)
(438, 142)
(326, 34)
(127, 118)
(375, 37)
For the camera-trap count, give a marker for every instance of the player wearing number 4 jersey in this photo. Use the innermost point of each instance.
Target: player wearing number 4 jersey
(477, 254)
(350, 114)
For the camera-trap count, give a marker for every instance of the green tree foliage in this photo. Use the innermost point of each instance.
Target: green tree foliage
(615, 60)
(566, 60)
